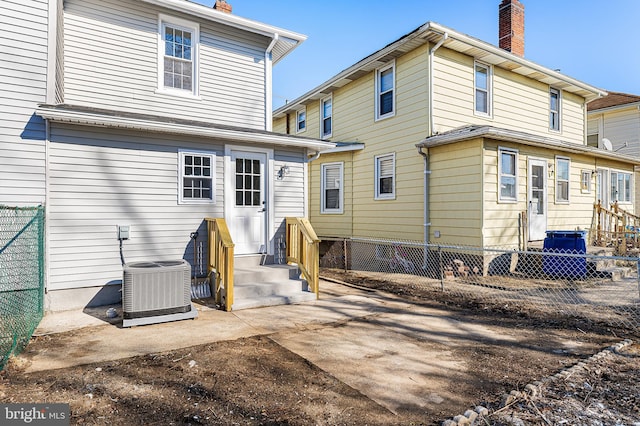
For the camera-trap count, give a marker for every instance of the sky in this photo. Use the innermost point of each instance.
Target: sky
(595, 41)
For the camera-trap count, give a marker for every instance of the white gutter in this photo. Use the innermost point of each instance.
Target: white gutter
(101, 120)
(495, 50)
(432, 52)
(230, 19)
(47, 194)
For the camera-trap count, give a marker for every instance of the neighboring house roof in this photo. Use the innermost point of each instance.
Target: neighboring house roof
(152, 123)
(433, 32)
(474, 131)
(284, 41)
(613, 100)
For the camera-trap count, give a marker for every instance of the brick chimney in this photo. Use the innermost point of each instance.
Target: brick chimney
(222, 6)
(511, 27)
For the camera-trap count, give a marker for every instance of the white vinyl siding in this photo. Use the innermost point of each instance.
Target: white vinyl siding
(385, 177)
(326, 117)
(196, 181)
(23, 85)
(101, 178)
(332, 198)
(563, 179)
(124, 76)
(555, 109)
(385, 91)
(178, 44)
(508, 175)
(482, 79)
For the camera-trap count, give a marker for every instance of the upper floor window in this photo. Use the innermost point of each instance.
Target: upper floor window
(563, 173)
(301, 120)
(621, 187)
(332, 188)
(482, 89)
(385, 89)
(554, 109)
(196, 177)
(385, 172)
(326, 116)
(177, 67)
(508, 174)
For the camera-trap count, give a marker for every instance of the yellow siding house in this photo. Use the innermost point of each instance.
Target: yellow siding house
(445, 138)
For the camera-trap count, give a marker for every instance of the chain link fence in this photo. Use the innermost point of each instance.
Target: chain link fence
(21, 277)
(590, 284)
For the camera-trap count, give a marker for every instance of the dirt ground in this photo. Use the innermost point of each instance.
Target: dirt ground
(255, 381)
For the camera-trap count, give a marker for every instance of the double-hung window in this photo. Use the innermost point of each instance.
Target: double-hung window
(326, 117)
(508, 175)
(301, 120)
(178, 47)
(196, 177)
(554, 109)
(385, 91)
(385, 175)
(332, 189)
(563, 173)
(482, 89)
(621, 187)
(585, 181)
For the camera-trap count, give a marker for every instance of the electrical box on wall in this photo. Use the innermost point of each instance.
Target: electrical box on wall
(123, 232)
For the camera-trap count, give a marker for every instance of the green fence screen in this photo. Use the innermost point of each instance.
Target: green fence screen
(21, 277)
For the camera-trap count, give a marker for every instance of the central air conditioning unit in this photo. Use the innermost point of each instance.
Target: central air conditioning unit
(157, 291)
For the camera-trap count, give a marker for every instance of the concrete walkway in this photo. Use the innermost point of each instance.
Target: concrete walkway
(406, 347)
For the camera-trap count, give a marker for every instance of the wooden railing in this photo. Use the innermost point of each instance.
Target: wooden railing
(220, 264)
(615, 228)
(303, 249)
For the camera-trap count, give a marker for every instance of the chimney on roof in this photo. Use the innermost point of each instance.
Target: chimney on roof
(222, 6)
(511, 27)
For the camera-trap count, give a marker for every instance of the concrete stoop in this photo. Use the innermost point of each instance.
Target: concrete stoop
(256, 285)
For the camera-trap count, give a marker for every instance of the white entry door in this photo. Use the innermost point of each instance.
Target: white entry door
(248, 214)
(537, 199)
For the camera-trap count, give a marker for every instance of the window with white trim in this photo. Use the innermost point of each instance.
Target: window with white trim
(326, 117)
(385, 175)
(563, 175)
(332, 189)
(301, 120)
(385, 91)
(585, 181)
(554, 109)
(482, 80)
(177, 64)
(196, 177)
(508, 174)
(620, 187)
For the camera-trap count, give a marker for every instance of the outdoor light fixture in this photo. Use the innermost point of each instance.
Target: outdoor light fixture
(284, 171)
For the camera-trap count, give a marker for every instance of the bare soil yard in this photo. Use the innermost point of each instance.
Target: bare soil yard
(256, 381)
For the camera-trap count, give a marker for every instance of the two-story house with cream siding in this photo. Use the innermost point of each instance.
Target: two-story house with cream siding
(613, 123)
(144, 117)
(449, 139)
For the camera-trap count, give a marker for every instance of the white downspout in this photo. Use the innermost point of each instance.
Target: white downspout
(268, 84)
(427, 172)
(432, 52)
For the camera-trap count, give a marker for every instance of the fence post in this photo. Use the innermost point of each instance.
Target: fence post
(638, 274)
(344, 253)
(441, 268)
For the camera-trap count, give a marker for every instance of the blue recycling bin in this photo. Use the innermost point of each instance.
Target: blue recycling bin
(568, 242)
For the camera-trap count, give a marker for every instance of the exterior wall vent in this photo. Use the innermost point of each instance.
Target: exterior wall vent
(156, 291)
